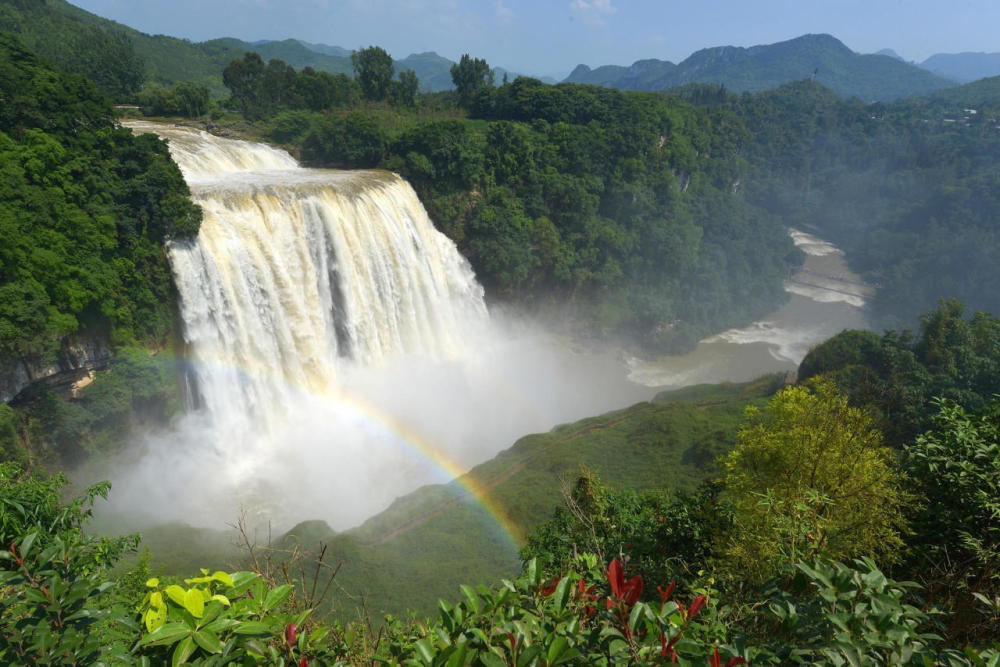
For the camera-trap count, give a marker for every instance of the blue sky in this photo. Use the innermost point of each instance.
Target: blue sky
(551, 36)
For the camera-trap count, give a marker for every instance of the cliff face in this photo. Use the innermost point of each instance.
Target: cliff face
(74, 362)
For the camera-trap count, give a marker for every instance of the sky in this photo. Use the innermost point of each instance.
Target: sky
(550, 37)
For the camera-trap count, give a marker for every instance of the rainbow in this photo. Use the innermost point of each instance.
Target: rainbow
(473, 489)
(415, 443)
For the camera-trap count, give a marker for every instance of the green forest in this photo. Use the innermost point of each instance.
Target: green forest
(848, 517)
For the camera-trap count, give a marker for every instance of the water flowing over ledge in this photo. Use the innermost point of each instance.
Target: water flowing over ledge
(341, 349)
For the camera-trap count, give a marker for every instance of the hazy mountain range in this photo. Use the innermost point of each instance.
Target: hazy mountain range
(820, 57)
(881, 76)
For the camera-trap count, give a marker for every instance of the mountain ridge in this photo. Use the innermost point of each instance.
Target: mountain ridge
(820, 57)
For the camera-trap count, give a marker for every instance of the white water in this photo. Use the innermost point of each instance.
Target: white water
(825, 298)
(341, 349)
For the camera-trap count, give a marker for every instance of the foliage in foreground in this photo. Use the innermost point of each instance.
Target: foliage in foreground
(619, 578)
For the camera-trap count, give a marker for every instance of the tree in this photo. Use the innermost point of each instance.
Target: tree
(404, 91)
(470, 75)
(373, 69)
(245, 80)
(955, 546)
(809, 477)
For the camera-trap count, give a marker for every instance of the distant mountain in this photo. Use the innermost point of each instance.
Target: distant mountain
(890, 53)
(984, 93)
(434, 71)
(820, 57)
(327, 49)
(48, 27)
(292, 51)
(964, 67)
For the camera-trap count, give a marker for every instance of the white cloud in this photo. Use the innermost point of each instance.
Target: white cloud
(503, 13)
(592, 12)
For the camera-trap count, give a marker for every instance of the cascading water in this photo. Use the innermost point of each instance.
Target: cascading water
(342, 351)
(297, 271)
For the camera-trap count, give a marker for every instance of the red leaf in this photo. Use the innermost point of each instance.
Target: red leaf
(303, 662)
(665, 593)
(715, 660)
(616, 578)
(513, 642)
(290, 633)
(696, 606)
(732, 662)
(550, 588)
(633, 589)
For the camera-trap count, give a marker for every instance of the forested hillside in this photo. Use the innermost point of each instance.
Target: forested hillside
(85, 208)
(618, 210)
(821, 58)
(908, 190)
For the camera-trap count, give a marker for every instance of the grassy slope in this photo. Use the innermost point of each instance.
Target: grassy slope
(432, 540)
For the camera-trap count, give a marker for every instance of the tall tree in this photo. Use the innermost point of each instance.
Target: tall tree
(404, 91)
(470, 75)
(245, 80)
(373, 69)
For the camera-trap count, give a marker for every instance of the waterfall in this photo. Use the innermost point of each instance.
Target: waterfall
(297, 272)
(341, 350)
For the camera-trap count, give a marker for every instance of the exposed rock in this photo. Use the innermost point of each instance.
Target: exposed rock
(70, 369)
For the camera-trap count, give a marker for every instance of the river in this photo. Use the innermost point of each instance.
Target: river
(825, 298)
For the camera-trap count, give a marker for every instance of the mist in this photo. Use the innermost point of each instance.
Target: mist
(341, 352)
(344, 455)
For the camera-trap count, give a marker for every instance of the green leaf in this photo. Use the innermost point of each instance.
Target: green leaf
(252, 628)
(471, 596)
(153, 583)
(176, 593)
(221, 625)
(242, 581)
(221, 598)
(208, 641)
(165, 635)
(424, 649)
(155, 617)
(182, 652)
(223, 577)
(457, 658)
(276, 596)
(556, 649)
(562, 593)
(194, 602)
(635, 617)
(26, 544)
